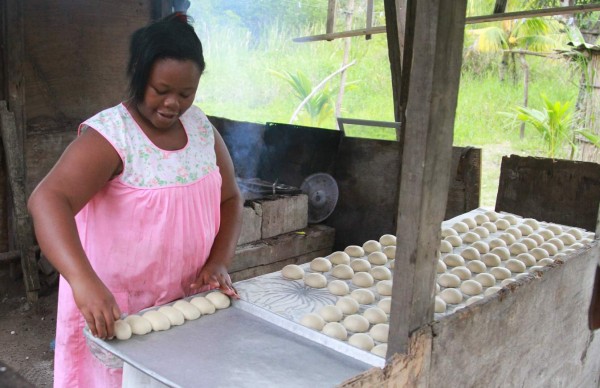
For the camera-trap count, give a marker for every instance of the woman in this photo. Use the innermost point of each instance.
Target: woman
(142, 208)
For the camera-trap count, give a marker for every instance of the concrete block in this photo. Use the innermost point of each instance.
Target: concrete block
(251, 223)
(283, 214)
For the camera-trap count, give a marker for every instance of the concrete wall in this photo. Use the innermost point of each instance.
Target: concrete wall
(532, 334)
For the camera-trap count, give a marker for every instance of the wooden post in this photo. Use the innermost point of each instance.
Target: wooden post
(433, 90)
(15, 163)
(330, 26)
(369, 18)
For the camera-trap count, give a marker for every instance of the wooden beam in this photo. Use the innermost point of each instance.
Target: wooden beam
(500, 6)
(426, 159)
(369, 17)
(331, 6)
(469, 20)
(14, 43)
(15, 164)
(395, 16)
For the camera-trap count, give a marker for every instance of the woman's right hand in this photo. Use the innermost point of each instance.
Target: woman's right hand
(97, 305)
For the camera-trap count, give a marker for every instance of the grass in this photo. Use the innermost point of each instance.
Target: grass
(238, 84)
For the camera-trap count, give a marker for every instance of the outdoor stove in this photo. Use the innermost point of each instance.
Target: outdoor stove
(256, 188)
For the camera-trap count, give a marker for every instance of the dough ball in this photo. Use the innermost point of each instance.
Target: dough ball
(320, 264)
(577, 245)
(330, 313)
(491, 260)
(392, 264)
(204, 305)
(527, 259)
(189, 311)
(575, 233)
(335, 330)
(535, 268)
(363, 279)
(380, 350)
(455, 241)
(360, 265)
(449, 232)
(508, 238)
(220, 300)
(441, 267)
(377, 258)
(385, 304)
(348, 305)
(440, 305)
(384, 288)
(448, 280)
(470, 253)
(492, 215)
(362, 341)
(525, 229)
(372, 246)
(500, 273)
(158, 320)
(122, 330)
(139, 325)
(473, 299)
(502, 252)
(339, 258)
(460, 227)
(471, 287)
(502, 224)
(497, 242)
(453, 260)
(316, 280)
(174, 316)
(557, 243)
(375, 315)
(342, 271)
(490, 226)
(462, 272)
(356, 323)
(481, 246)
(451, 296)
(446, 247)
(506, 282)
(387, 239)
(338, 287)
(481, 218)
(523, 275)
(546, 234)
(539, 253)
(492, 290)
(292, 272)
(533, 224)
(470, 237)
(354, 251)
(554, 229)
(537, 238)
(567, 238)
(381, 273)
(518, 248)
(482, 232)
(550, 248)
(511, 219)
(515, 266)
(471, 223)
(437, 288)
(529, 243)
(380, 332)
(477, 266)
(313, 321)
(560, 256)
(486, 279)
(390, 252)
(545, 262)
(364, 296)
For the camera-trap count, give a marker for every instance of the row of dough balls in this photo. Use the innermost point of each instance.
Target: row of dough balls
(168, 316)
(343, 322)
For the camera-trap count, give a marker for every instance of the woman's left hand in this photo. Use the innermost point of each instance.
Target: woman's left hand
(216, 276)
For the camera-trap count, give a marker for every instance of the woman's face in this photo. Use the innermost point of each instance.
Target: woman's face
(170, 91)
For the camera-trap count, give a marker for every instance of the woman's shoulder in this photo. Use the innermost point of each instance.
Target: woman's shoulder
(108, 118)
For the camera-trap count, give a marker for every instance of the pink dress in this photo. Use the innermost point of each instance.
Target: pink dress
(147, 233)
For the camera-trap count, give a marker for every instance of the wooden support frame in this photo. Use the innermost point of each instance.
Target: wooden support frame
(369, 17)
(331, 7)
(431, 105)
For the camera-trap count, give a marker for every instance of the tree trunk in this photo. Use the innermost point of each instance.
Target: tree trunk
(525, 66)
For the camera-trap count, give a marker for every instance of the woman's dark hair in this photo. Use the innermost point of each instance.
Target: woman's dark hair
(171, 37)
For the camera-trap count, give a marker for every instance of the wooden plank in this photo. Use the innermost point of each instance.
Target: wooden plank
(369, 17)
(430, 111)
(15, 58)
(331, 6)
(16, 173)
(395, 16)
(500, 6)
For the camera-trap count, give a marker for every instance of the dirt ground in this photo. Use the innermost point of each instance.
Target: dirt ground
(27, 332)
